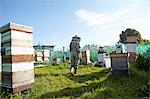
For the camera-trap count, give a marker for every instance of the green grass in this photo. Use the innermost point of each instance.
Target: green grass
(90, 82)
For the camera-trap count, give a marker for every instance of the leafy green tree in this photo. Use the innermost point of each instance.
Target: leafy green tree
(143, 41)
(57, 54)
(129, 31)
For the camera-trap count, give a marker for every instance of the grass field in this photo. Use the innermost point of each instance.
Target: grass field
(90, 82)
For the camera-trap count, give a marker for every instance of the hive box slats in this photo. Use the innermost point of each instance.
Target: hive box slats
(17, 57)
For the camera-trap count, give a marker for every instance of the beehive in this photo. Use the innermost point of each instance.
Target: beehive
(131, 43)
(101, 54)
(86, 57)
(119, 64)
(46, 55)
(17, 57)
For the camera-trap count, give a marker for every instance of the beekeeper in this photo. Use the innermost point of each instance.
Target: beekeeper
(75, 53)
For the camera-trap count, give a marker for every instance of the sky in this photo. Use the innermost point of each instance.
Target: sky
(98, 22)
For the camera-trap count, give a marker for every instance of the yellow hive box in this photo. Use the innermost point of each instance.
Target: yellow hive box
(131, 39)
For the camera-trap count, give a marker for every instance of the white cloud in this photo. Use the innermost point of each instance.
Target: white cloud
(97, 19)
(112, 23)
(92, 18)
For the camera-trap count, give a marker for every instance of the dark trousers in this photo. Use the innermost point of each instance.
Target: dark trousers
(75, 67)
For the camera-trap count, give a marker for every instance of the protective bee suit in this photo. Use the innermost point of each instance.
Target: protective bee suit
(75, 52)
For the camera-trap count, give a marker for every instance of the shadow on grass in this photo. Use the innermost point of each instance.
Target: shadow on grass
(41, 75)
(78, 91)
(71, 92)
(53, 74)
(123, 87)
(91, 76)
(114, 87)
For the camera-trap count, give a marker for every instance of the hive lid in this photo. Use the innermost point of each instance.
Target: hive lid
(118, 55)
(18, 27)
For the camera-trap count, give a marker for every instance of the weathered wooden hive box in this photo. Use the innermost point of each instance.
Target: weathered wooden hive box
(86, 57)
(56, 61)
(17, 57)
(0, 73)
(119, 64)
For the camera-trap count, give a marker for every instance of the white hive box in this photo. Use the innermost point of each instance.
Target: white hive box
(88, 53)
(131, 43)
(46, 59)
(39, 53)
(39, 59)
(56, 61)
(46, 53)
(131, 47)
(107, 61)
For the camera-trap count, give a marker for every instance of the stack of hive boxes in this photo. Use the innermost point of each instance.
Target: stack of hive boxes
(17, 57)
(86, 57)
(38, 55)
(0, 73)
(56, 61)
(68, 60)
(119, 64)
(101, 54)
(42, 55)
(107, 61)
(131, 42)
(46, 55)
